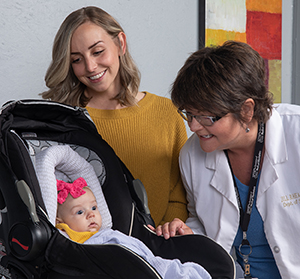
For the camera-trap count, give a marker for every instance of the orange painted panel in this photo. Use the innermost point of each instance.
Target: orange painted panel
(268, 6)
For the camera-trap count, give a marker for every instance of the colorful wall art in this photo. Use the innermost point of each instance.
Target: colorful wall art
(255, 22)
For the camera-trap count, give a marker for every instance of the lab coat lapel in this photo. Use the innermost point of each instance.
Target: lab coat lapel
(275, 151)
(222, 179)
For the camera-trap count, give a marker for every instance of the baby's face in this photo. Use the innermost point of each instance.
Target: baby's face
(80, 214)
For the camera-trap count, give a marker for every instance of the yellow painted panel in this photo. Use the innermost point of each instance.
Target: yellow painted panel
(218, 37)
(268, 6)
(275, 79)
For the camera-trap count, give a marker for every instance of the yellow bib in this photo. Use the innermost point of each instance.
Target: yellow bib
(79, 237)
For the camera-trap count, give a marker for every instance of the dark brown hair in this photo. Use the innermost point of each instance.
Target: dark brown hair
(220, 79)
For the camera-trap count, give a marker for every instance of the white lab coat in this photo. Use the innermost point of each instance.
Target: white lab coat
(211, 196)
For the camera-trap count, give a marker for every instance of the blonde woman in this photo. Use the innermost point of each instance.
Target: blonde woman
(91, 67)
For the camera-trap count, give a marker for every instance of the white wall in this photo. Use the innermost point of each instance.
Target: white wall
(286, 58)
(161, 35)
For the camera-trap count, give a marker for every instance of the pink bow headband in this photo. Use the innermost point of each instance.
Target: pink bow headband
(75, 189)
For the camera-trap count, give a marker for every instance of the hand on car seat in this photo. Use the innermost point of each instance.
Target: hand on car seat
(170, 229)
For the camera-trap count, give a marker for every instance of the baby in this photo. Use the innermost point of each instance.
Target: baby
(77, 210)
(78, 216)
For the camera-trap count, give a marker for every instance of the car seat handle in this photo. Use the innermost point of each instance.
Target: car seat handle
(27, 197)
(140, 191)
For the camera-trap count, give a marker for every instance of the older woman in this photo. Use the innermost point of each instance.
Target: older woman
(241, 167)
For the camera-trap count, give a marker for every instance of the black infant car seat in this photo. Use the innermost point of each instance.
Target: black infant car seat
(31, 247)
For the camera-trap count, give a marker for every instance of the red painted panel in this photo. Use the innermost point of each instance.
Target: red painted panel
(263, 31)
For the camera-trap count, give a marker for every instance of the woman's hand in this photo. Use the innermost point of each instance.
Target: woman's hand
(176, 227)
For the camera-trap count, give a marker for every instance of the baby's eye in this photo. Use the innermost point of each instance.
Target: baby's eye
(79, 212)
(94, 207)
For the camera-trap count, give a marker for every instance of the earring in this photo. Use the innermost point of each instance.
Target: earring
(247, 130)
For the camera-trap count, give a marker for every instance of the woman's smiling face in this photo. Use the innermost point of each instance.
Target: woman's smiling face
(95, 58)
(226, 133)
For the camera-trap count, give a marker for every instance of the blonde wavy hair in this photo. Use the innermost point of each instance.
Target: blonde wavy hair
(64, 87)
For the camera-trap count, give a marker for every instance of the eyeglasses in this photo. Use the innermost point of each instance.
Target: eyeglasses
(202, 119)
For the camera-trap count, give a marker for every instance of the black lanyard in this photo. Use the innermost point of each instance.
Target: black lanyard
(245, 215)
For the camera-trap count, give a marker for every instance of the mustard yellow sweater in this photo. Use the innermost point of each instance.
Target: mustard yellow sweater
(148, 138)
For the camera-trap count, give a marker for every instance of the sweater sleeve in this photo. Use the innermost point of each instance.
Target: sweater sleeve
(177, 206)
